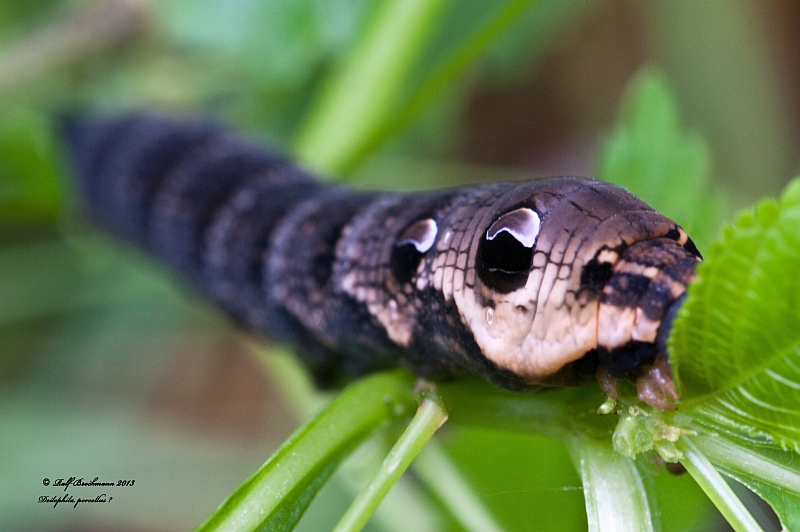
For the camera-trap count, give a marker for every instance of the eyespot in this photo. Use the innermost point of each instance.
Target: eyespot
(412, 244)
(505, 252)
(523, 224)
(420, 234)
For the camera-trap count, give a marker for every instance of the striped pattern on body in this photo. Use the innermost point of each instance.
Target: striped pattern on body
(528, 284)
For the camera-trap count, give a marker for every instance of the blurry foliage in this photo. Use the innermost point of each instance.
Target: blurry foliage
(262, 65)
(30, 166)
(649, 154)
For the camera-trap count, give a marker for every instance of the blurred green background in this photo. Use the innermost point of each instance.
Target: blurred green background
(110, 368)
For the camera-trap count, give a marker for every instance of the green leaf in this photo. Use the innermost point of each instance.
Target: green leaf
(653, 157)
(279, 43)
(735, 346)
(29, 188)
(276, 496)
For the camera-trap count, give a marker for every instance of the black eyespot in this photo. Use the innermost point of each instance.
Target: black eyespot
(505, 252)
(412, 244)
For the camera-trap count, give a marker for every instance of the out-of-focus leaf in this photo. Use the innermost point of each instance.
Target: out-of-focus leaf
(29, 168)
(53, 277)
(653, 157)
(735, 346)
(279, 42)
(21, 13)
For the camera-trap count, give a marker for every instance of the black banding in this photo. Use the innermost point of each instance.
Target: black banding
(92, 146)
(621, 361)
(625, 289)
(658, 297)
(299, 263)
(673, 234)
(143, 167)
(192, 194)
(595, 275)
(322, 262)
(238, 242)
(656, 300)
(122, 163)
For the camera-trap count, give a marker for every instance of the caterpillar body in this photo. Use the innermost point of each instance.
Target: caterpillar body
(528, 284)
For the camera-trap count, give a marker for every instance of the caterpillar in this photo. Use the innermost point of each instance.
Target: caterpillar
(532, 284)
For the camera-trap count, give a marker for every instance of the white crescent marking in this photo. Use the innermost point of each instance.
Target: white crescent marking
(523, 224)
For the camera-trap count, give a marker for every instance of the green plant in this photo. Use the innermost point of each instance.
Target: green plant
(738, 383)
(733, 384)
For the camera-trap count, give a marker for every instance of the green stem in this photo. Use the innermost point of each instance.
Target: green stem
(557, 414)
(365, 90)
(716, 488)
(276, 496)
(430, 416)
(615, 494)
(440, 475)
(453, 67)
(360, 108)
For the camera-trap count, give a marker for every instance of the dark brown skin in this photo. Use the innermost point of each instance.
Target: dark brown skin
(541, 283)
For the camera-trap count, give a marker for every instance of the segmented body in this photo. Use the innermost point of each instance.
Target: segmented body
(526, 284)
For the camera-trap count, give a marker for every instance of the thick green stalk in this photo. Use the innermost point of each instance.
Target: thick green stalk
(615, 495)
(365, 91)
(442, 77)
(361, 107)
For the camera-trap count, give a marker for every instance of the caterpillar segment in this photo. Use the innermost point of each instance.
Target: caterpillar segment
(530, 284)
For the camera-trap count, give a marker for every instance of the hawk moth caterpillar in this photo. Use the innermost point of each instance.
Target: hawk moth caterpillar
(542, 283)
